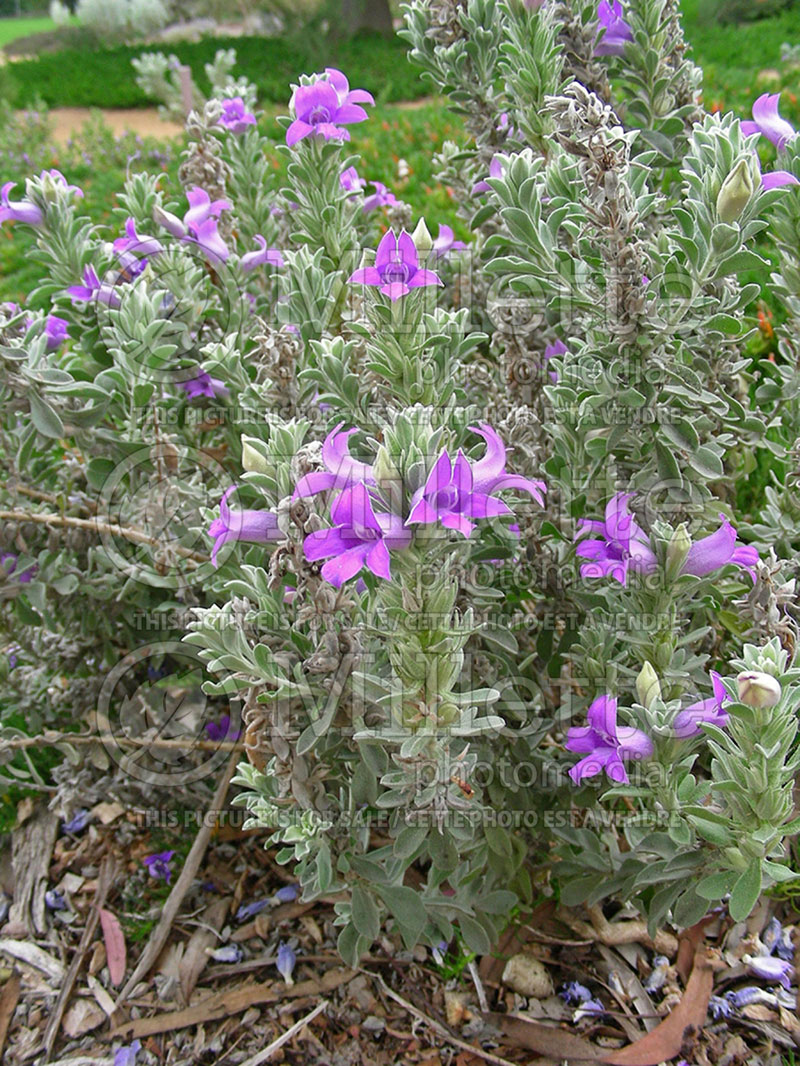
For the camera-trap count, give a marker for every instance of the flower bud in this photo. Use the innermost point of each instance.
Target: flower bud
(678, 548)
(648, 687)
(758, 690)
(252, 459)
(422, 238)
(735, 192)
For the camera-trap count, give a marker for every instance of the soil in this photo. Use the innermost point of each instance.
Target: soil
(67, 121)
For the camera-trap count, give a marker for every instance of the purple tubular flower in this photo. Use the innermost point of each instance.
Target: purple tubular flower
(263, 257)
(8, 561)
(770, 969)
(206, 236)
(54, 900)
(222, 730)
(438, 953)
(250, 910)
(768, 122)
(325, 107)
(784, 949)
(55, 177)
(204, 385)
(382, 197)
(132, 242)
(55, 331)
(559, 348)
(285, 962)
(18, 210)
(605, 743)
(287, 894)
(771, 935)
(93, 291)
(158, 865)
(776, 179)
(456, 492)
(358, 538)
(574, 992)
(591, 1006)
(743, 997)
(720, 1008)
(350, 181)
(718, 549)
(126, 1056)
(445, 243)
(688, 721)
(617, 32)
(258, 527)
(496, 170)
(341, 469)
(77, 822)
(235, 117)
(397, 270)
(622, 546)
(202, 207)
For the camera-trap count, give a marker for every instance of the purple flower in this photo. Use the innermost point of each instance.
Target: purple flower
(158, 866)
(687, 722)
(126, 1055)
(18, 210)
(591, 1006)
(341, 469)
(784, 949)
(743, 997)
(235, 117)
(438, 953)
(456, 491)
(77, 822)
(720, 1008)
(559, 348)
(55, 177)
(574, 992)
(228, 953)
(199, 225)
(771, 935)
(770, 969)
(287, 894)
(132, 242)
(445, 243)
(55, 331)
(397, 270)
(93, 291)
(358, 538)
(54, 900)
(622, 544)
(768, 122)
(778, 178)
(323, 108)
(382, 197)
(605, 743)
(496, 170)
(258, 527)
(202, 384)
(285, 962)
(718, 549)
(263, 257)
(350, 180)
(222, 730)
(250, 910)
(8, 561)
(617, 32)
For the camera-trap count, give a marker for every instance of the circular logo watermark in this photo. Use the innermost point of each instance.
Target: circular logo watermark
(151, 526)
(156, 723)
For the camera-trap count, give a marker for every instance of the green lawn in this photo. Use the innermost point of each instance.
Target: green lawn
(11, 29)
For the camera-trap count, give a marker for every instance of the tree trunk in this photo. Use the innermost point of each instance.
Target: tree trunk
(359, 15)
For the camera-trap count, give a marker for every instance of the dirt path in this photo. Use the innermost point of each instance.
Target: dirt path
(67, 121)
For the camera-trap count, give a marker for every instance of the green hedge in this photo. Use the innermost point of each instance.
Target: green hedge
(81, 78)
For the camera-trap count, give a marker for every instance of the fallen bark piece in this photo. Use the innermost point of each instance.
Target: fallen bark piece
(34, 956)
(223, 1004)
(545, 1040)
(527, 976)
(195, 958)
(32, 849)
(9, 998)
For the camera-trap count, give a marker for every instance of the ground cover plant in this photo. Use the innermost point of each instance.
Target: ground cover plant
(430, 524)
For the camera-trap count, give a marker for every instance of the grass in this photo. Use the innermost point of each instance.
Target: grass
(80, 77)
(13, 29)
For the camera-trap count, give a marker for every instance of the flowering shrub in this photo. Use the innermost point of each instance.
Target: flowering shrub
(461, 531)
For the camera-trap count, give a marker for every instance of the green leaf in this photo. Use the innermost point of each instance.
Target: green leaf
(746, 892)
(475, 936)
(351, 945)
(407, 909)
(715, 886)
(366, 917)
(44, 417)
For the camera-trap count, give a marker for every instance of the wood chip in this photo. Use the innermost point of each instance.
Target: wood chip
(82, 1017)
(9, 998)
(25, 951)
(32, 849)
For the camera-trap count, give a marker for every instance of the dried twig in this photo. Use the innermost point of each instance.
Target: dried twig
(105, 880)
(98, 525)
(160, 933)
(266, 1054)
(52, 737)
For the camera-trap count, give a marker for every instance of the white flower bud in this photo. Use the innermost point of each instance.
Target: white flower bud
(758, 690)
(252, 459)
(422, 238)
(648, 687)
